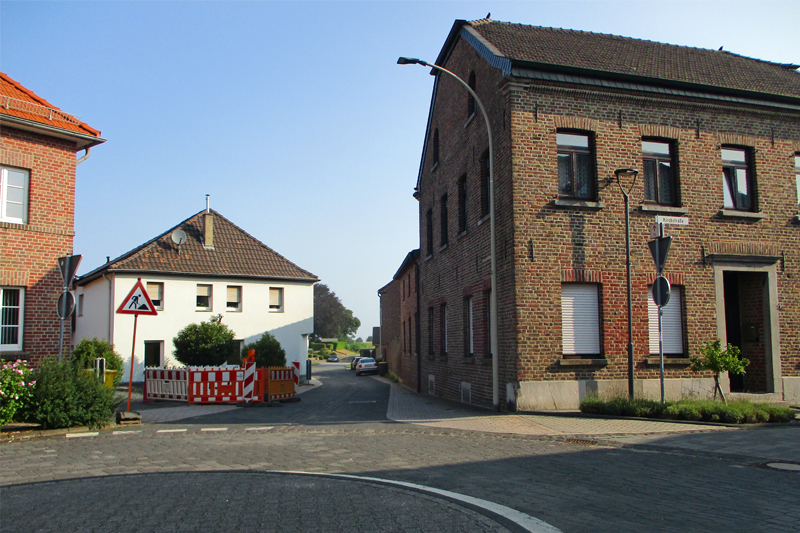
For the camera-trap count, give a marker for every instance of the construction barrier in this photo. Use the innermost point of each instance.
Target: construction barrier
(219, 384)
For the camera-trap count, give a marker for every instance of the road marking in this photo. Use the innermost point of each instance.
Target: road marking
(524, 521)
(259, 428)
(79, 435)
(365, 401)
(170, 431)
(214, 429)
(127, 432)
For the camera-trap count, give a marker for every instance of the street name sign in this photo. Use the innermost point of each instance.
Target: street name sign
(672, 221)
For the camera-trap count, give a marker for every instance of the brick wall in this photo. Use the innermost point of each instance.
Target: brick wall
(28, 252)
(541, 244)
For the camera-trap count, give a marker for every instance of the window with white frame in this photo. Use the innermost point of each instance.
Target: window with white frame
(204, 298)
(235, 348)
(155, 290)
(14, 186)
(575, 166)
(737, 181)
(234, 300)
(659, 172)
(12, 312)
(276, 300)
(580, 320)
(153, 350)
(671, 323)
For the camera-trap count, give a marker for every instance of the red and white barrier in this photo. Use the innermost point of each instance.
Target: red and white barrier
(163, 384)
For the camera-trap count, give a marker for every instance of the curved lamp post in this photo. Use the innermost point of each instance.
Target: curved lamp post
(495, 345)
(629, 175)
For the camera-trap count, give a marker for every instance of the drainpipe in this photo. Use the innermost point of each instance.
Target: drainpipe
(85, 157)
(110, 309)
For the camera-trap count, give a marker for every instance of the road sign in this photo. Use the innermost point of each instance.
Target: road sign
(656, 230)
(137, 302)
(659, 248)
(661, 291)
(68, 266)
(672, 221)
(65, 305)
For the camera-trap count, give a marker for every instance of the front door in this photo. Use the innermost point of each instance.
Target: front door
(745, 326)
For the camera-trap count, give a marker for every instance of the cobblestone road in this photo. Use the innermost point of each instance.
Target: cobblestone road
(575, 484)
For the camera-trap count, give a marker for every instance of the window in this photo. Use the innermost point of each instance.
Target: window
(443, 326)
(235, 348)
(430, 331)
(659, 173)
(488, 327)
(443, 209)
(575, 169)
(471, 99)
(737, 183)
(80, 305)
(469, 331)
(429, 231)
(275, 300)
(152, 352)
(11, 318)
(797, 177)
(234, 300)
(203, 298)
(14, 195)
(484, 164)
(580, 320)
(435, 147)
(671, 323)
(462, 204)
(156, 293)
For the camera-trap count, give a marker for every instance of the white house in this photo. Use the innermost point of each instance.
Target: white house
(216, 269)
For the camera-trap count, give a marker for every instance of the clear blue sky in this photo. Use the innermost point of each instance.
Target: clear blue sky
(292, 115)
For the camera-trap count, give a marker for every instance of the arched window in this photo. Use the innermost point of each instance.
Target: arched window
(470, 98)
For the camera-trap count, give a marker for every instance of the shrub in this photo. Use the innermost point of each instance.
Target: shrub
(268, 351)
(64, 396)
(87, 351)
(204, 344)
(716, 360)
(16, 387)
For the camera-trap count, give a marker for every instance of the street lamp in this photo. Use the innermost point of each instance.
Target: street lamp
(495, 345)
(629, 175)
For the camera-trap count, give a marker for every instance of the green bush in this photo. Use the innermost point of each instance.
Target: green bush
(316, 346)
(204, 344)
(268, 351)
(16, 387)
(64, 396)
(87, 351)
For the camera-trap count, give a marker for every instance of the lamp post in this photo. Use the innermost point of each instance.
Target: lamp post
(627, 174)
(495, 345)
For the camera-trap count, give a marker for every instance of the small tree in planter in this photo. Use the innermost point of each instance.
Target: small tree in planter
(268, 351)
(204, 344)
(717, 361)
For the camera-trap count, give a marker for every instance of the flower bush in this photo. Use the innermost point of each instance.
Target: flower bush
(16, 386)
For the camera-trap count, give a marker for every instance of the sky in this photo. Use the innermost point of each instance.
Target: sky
(293, 116)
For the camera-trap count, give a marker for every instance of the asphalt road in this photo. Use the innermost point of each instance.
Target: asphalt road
(216, 472)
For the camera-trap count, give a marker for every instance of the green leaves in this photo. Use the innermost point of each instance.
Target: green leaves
(331, 318)
(203, 344)
(87, 351)
(268, 351)
(719, 361)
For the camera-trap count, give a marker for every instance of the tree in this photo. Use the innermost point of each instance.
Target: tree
(88, 350)
(331, 318)
(717, 361)
(268, 351)
(369, 339)
(204, 344)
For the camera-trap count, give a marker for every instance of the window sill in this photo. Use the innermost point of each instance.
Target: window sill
(461, 235)
(583, 362)
(276, 310)
(435, 166)
(229, 310)
(469, 360)
(443, 247)
(470, 119)
(656, 208)
(428, 257)
(733, 213)
(484, 219)
(655, 360)
(203, 310)
(584, 204)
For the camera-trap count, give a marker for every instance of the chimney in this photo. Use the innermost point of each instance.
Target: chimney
(208, 230)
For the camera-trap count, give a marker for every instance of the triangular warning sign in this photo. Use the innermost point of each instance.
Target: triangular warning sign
(137, 302)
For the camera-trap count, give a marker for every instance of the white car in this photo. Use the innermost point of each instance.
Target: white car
(366, 365)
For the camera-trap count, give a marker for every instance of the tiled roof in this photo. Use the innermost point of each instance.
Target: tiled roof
(235, 254)
(17, 101)
(638, 58)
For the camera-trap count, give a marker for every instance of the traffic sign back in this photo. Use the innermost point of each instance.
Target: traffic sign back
(659, 248)
(137, 302)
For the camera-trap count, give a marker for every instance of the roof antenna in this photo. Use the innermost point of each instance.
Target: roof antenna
(208, 203)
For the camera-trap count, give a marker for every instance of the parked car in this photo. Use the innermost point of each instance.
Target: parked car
(354, 362)
(333, 359)
(366, 365)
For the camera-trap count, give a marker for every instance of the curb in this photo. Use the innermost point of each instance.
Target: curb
(578, 414)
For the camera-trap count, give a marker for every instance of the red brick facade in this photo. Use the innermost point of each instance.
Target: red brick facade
(28, 251)
(400, 323)
(545, 240)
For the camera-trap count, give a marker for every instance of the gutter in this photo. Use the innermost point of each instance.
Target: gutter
(83, 140)
(91, 277)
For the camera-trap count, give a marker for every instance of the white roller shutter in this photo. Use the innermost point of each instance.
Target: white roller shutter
(671, 322)
(580, 319)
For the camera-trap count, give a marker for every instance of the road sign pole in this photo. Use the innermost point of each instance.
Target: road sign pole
(61, 333)
(661, 350)
(133, 352)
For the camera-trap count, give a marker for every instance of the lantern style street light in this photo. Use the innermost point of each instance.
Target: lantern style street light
(629, 175)
(495, 345)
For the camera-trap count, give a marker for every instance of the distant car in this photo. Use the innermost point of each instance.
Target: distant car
(333, 359)
(366, 365)
(355, 362)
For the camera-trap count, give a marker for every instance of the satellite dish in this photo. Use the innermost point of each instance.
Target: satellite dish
(178, 236)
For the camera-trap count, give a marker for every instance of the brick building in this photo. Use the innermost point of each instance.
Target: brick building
(715, 138)
(400, 322)
(38, 147)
